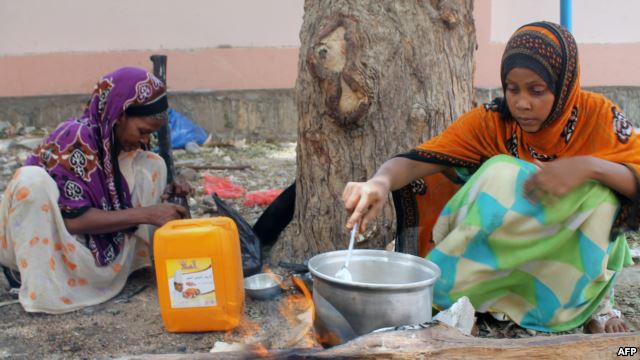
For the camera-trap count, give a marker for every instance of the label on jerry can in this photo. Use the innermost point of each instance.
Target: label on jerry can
(191, 283)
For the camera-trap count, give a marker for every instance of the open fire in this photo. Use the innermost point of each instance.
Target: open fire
(285, 322)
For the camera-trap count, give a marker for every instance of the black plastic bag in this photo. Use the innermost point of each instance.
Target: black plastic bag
(250, 246)
(276, 217)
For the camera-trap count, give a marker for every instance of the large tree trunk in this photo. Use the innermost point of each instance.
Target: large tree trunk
(375, 78)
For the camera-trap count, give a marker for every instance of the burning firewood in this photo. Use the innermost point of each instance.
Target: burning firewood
(442, 342)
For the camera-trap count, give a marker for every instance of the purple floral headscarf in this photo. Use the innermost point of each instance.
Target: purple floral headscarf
(80, 154)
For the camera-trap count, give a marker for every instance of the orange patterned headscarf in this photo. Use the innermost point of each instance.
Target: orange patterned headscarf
(580, 122)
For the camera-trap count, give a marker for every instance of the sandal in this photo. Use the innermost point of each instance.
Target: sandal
(603, 318)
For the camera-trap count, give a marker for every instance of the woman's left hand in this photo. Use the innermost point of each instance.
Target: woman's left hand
(557, 178)
(179, 187)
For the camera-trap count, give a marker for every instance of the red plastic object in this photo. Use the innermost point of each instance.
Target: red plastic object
(261, 198)
(223, 187)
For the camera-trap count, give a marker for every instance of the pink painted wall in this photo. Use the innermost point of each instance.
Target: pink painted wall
(41, 27)
(63, 46)
(206, 69)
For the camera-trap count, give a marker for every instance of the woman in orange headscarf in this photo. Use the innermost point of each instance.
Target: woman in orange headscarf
(535, 232)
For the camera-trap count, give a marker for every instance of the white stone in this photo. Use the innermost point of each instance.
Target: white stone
(221, 346)
(192, 147)
(460, 315)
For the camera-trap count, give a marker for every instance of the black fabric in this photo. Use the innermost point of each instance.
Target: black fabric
(157, 106)
(276, 217)
(249, 243)
(528, 62)
(13, 277)
(627, 218)
(633, 222)
(407, 220)
(437, 158)
(502, 108)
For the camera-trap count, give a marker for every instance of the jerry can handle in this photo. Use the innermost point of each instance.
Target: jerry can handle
(224, 221)
(221, 221)
(183, 223)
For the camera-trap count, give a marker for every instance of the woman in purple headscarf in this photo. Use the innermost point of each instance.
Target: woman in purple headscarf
(78, 217)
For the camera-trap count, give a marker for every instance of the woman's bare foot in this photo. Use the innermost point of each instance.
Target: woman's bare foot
(606, 324)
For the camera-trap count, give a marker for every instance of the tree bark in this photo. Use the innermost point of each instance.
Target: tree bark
(375, 78)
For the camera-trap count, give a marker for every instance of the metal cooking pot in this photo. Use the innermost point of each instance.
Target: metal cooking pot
(387, 289)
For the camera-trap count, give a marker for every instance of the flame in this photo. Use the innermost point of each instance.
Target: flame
(307, 295)
(298, 311)
(259, 350)
(329, 337)
(248, 329)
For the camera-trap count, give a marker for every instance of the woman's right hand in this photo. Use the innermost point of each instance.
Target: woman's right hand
(364, 201)
(161, 214)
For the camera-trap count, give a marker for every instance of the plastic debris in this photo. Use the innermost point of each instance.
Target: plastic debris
(261, 198)
(184, 131)
(223, 187)
(192, 147)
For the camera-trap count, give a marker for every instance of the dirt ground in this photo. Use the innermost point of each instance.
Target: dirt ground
(130, 324)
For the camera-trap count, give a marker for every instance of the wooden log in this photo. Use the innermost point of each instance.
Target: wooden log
(441, 342)
(444, 342)
(232, 355)
(215, 167)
